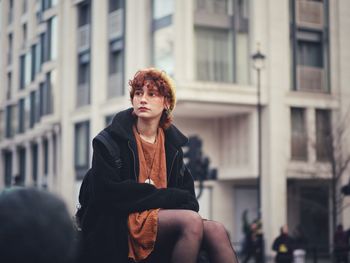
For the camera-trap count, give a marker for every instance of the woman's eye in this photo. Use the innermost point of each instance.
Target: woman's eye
(138, 93)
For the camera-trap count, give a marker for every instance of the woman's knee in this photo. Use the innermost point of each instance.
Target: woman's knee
(215, 231)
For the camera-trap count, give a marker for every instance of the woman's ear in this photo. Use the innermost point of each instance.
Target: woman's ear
(166, 103)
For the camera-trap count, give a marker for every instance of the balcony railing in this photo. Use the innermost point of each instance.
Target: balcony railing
(310, 13)
(83, 95)
(310, 78)
(83, 38)
(115, 87)
(116, 24)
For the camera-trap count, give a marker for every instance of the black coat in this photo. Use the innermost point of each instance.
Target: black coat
(284, 246)
(110, 191)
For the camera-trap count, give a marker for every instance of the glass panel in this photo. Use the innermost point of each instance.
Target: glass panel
(214, 55)
(162, 8)
(323, 135)
(163, 49)
(299, 134)
(310, 54)
(81, 144)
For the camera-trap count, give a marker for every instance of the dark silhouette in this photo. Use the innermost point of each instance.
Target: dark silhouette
(284, 246)
(35, 227)
(341, 246)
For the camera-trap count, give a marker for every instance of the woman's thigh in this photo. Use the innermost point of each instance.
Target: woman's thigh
(171, 225)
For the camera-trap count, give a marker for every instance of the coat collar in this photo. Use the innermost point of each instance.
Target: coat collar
(122, 127)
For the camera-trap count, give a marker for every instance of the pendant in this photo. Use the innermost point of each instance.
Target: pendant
(149, 181)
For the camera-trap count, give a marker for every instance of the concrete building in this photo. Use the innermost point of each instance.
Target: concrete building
(64, 71)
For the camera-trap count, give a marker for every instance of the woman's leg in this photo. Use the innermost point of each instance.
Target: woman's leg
(217, 243)
(179, 236)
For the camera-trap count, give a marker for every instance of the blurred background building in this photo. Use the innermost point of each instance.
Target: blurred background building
(64, 71)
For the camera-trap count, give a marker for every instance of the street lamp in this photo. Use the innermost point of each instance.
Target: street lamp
(258, 64)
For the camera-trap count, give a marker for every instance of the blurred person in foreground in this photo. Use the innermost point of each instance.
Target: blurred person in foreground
(284, 246)
(137, 201)
(35, 227)
(341, 246)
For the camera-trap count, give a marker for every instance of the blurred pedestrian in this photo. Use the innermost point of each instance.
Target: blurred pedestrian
(284, 246)
(341, 246)
(253, 240)
(35, 227)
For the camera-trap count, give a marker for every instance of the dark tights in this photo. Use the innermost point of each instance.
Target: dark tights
(181, 234)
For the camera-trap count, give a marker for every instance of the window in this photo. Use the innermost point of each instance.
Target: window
(9, 86)
(212, 6)
(22, 66)
(222, 40)
(323, 135)
(82, 149)
(163, 35)
(52, 38)
(10, 49)
(115, 86)
(8, 168)
(21, 115)
(163, 8)
(32, 109)
(214, 55)
(84, 14)
(310, 54)
(46, 156)
(299, 134)
(83, 92)
(34, 151)
(10, 12)
(2, 125)
(28, 68)
(9, 121)
(24, 34)
(38, 57)
(22, 166)
(24, 6)
(33, 62)
(115, 5)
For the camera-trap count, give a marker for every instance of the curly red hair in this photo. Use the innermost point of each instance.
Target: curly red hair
(164, 85)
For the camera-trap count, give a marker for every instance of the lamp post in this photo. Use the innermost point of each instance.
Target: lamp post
(258, 64)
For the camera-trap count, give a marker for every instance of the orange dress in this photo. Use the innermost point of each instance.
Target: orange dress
(143, 225)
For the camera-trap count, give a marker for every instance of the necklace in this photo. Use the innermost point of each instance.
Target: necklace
(149, 169)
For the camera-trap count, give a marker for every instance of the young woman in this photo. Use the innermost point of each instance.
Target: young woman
(137, 201)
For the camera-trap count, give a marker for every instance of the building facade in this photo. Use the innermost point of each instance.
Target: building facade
(64, 71)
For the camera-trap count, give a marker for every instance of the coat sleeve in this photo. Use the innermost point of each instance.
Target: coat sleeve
(187, 184)
(111, 193)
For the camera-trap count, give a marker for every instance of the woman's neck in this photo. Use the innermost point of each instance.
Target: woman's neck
(148, 130)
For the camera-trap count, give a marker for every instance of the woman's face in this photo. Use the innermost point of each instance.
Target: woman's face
(148, 103)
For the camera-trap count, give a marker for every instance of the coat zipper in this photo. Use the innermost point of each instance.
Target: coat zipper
(171, 167)
(133, 154)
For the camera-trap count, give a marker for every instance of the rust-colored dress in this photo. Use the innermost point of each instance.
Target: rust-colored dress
(143, 226)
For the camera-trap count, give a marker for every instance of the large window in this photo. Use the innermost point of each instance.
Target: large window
(82, 148)
(83, 91)
(163, 35)
(214, 55)
(52, 38)
(21, 115)
(222, 40)
(8, 168)
(35, 171)
(299, 134)
(22, 166)
(10, 121)
(310, 42)
(84, 13)
(323, 135)
(115, 86)
(22, 66)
